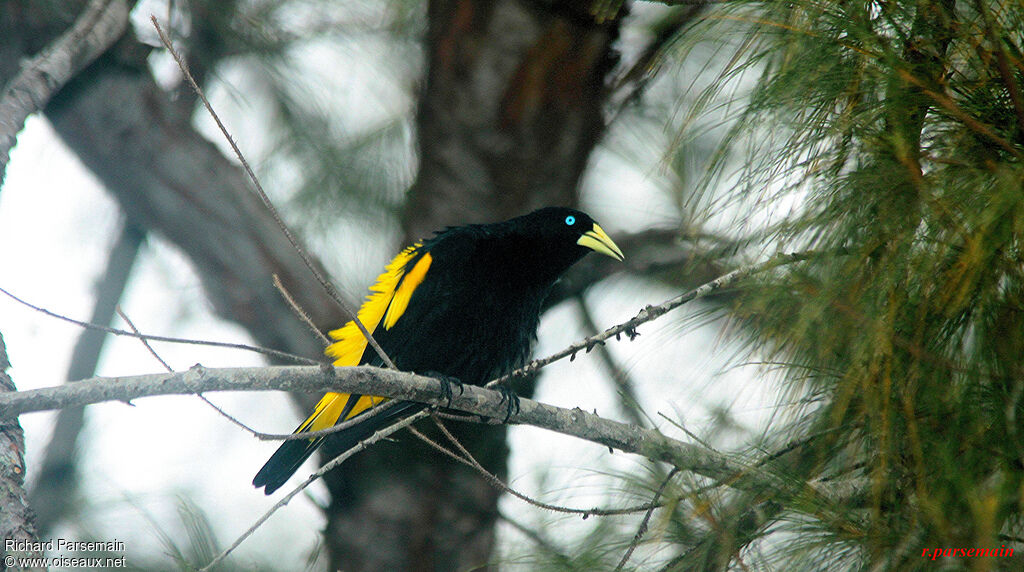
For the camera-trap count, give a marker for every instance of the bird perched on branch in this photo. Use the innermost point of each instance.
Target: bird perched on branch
(462, 306)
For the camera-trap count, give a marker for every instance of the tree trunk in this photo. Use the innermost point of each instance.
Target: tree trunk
(508, 117)
(17, 523)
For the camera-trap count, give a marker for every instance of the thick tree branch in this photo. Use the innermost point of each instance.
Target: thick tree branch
(407, 386)
(100, 25)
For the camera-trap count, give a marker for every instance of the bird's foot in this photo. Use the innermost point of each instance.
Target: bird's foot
(447, 382)
(510, 399)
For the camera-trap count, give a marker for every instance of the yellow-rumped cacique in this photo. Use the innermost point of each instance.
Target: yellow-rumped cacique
(462, 306)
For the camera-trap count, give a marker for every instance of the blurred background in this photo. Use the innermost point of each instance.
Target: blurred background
(881, 375)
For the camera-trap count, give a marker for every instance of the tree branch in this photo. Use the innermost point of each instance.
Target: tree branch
(407, 386)
(668, 255)
(100, 25)
(650, 313)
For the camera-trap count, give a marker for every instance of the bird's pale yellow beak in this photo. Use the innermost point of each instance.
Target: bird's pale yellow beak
(598, 240)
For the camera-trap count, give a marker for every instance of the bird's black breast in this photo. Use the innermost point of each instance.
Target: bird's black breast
(469, 318)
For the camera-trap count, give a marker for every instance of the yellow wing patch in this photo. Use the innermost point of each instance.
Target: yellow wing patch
(389, 297)
(332, 405)
(400, 302)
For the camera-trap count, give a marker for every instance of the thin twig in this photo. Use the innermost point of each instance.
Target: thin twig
(653, 312)
(170, 369)
(470, 461)
(326, 284)
(142, 338)
(623, 383)
(298, 311)
(312, 478)
(642, 530)
(117, 332)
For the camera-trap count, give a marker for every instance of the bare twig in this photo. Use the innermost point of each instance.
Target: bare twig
(299, 312)
(117, 332)
(99, 26)
(143, 339)
(653, 312)
(327, 285)
(170, 369)
(335, 462)
(467, 459)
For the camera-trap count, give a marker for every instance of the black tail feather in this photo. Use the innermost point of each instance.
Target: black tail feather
(291, 454)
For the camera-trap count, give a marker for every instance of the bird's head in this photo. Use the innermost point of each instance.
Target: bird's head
(557, 237)
(566, 228)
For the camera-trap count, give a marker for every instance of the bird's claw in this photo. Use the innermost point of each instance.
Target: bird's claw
(510, 399)
(447, 382)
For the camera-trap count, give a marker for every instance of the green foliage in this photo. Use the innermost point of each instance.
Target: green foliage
(903, 132)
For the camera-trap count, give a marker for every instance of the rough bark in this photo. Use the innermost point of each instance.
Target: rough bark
(17, 522)
(510, 111)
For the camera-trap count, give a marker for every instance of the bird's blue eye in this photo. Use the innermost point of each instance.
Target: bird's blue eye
(570, 220)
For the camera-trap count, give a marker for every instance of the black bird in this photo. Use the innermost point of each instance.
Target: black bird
(462, 305)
